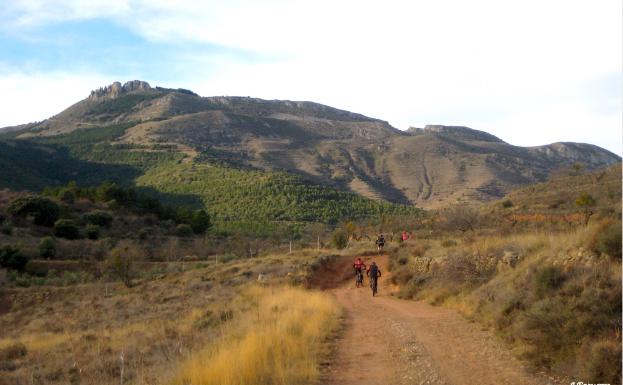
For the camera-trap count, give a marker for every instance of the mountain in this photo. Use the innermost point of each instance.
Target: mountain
(431, 167)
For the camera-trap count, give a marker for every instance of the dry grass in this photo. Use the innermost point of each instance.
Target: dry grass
(279, 340)
(551, 297)
(76, 334)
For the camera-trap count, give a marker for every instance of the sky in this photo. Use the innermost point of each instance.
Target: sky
(530, 72)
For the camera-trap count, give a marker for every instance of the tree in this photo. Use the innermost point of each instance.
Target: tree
(99, 218)
(585, 201)
(12, 258)
(339, 239)
(66, 228)
(121, 263)
(44, 211)
(47, 247)
(200, 222)
(350, 228)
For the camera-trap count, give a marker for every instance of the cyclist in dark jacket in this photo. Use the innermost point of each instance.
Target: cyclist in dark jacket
(380, 242)
(374, 273)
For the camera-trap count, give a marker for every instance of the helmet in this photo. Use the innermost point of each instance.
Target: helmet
(374, 263)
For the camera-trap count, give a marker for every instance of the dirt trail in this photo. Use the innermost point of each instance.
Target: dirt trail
(388, 341)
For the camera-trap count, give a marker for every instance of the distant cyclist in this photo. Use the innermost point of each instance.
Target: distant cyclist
(374, 273)
(380, 243)
(405, 236)
(359, 267)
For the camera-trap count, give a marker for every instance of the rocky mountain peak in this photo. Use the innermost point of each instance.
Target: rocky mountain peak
(116, 89)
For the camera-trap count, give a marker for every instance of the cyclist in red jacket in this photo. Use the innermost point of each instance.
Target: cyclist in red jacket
(359, 267)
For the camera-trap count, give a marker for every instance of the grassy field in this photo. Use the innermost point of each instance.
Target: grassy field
(157, 331)
(280, 340)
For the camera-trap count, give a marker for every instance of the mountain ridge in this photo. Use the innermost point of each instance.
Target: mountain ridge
(432, 166)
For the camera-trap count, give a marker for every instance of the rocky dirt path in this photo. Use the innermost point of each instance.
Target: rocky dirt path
(390, 341)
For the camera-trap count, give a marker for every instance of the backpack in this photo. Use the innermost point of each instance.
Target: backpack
(374, 271)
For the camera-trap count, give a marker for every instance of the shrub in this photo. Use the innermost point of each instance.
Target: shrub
(420, 249)
(461, 218)
(507, 204)
(121, 263)
(12, 258)
(607, 239)
(47, 247)
(99, 218)
(44, 211)
(200, 222)
(184, 230)
(92, 231)
(13, 352)
(547, 279)
(585, 200)
(602, 362)
(66, 228)
(339, 239)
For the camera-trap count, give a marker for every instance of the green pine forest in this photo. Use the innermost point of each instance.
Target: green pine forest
(238, 199)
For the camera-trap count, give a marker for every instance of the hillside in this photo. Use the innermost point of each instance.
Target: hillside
(430, 167)
(559, 194)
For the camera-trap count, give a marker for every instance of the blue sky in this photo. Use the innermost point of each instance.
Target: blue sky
(530, 72)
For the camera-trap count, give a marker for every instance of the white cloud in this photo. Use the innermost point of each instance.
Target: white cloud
(519, 69)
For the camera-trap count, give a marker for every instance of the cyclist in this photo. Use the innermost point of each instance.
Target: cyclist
(380, 243)
(405, 236)
(359, 267)
(374, 273)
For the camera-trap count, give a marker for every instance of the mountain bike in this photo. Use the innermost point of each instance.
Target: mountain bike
(374, 285)
(359, 279)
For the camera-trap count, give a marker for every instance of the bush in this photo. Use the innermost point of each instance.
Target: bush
(44, 211)
(585, 200)
(200, 222)
(92, 231)
(12, 258)
(121, 263)
(99, 218)
(607, 239)
(602, 362)
(507, 204)
(47, 247)
(13, 352)
(547, 279)
(184, 230)
(66, 228)
(461, 218)
(339, 239)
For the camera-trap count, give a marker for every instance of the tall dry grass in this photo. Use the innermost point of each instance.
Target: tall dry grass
(278, 339)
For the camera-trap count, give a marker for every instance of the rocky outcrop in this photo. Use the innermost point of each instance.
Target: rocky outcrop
(116, 89)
